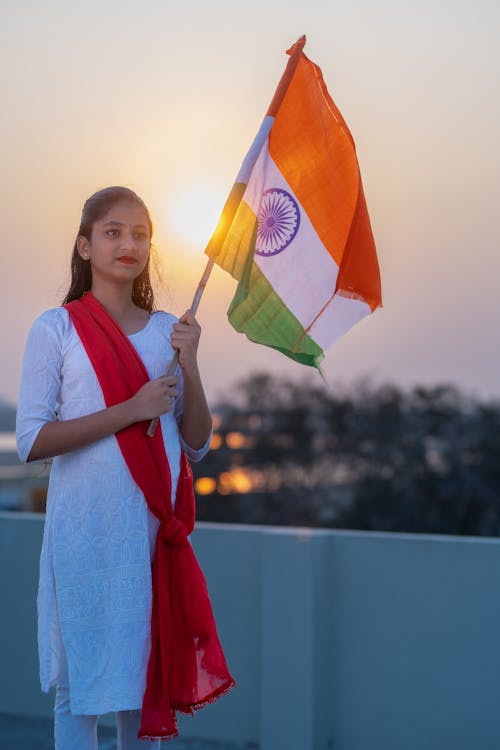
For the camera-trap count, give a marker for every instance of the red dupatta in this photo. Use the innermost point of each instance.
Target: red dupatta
(186, 668)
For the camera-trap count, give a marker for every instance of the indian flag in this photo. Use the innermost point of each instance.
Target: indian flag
(295, 231)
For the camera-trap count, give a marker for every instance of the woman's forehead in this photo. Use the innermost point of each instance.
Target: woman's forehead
(125, 212)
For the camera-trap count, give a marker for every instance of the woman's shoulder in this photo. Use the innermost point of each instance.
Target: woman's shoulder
(53, 323)
(163, 319)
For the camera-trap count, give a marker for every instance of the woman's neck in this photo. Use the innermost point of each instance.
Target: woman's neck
(116, 299)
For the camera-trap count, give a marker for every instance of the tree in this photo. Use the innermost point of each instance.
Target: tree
(375, 458)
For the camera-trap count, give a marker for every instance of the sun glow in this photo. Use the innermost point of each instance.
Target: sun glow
(195, 212)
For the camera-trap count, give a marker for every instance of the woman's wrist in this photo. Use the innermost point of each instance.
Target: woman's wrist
(130, 411)
(191, 372)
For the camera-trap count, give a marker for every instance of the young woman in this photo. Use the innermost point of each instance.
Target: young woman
(124, 620)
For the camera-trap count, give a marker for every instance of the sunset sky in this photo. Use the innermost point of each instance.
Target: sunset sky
(166, 98)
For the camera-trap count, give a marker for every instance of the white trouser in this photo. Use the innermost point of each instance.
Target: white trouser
(77, 732)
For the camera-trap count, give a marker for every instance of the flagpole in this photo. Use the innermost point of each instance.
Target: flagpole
(194, 307)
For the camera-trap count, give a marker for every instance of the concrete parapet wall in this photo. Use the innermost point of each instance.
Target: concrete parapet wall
(344, 640)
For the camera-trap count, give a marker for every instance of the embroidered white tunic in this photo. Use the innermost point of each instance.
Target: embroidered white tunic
(94, 597)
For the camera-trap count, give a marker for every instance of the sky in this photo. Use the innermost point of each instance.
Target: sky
(166, 98)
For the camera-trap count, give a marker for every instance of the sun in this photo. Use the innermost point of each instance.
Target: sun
(194, 213)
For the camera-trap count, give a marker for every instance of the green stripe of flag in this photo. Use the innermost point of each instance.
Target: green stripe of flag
(256, 309)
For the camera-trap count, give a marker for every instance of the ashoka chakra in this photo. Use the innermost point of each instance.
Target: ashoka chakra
(279, 221)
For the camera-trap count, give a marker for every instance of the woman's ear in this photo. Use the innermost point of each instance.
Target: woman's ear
(82, 245)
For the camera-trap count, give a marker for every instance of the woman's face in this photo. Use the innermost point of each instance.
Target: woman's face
(118, 249)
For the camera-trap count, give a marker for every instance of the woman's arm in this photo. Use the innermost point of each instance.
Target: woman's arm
(196, 423)
(58, 437)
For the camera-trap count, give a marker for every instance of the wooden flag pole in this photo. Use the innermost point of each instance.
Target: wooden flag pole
(194, 307)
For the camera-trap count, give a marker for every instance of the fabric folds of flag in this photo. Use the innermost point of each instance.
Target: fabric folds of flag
(295, 231)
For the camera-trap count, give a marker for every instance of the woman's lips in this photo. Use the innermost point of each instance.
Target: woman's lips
(127, 259)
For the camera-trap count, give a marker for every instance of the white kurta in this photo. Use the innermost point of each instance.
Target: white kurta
(94, 598)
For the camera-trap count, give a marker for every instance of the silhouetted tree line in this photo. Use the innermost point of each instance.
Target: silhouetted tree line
(374, 457)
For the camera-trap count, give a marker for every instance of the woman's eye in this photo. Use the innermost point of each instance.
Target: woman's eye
(141, 236)
(112, 232)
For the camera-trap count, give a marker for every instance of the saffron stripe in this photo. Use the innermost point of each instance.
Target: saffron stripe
(317, 158)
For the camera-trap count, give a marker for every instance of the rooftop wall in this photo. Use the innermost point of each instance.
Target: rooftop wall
(345, 640)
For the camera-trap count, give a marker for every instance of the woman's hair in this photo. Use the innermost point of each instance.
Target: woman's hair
(95, 208)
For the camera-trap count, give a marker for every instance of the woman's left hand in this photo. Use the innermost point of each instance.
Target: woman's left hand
(185, 337)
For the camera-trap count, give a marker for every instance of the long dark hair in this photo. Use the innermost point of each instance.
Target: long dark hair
(94, 209)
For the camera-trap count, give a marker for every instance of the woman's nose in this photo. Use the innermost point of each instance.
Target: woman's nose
(127, 241)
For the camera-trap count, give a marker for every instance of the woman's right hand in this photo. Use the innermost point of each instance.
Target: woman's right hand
(156, 397)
